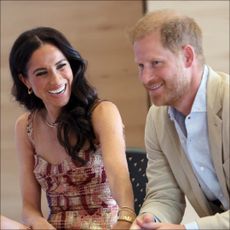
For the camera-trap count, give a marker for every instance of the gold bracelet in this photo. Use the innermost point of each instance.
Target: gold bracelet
(125, 208)
(124, 213)
(129, 219)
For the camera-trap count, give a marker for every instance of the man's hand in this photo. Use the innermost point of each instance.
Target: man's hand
(145, 218)
(161, 226)
(121, 225)
(146, 221)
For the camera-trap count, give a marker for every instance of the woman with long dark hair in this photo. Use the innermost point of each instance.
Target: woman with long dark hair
(69, 142)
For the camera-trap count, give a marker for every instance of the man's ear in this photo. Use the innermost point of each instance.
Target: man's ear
(189, 55)
(24, 81)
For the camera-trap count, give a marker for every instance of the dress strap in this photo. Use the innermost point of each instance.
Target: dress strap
(29, 127)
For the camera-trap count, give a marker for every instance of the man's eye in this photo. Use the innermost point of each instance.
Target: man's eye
(154, 63)
(140, 66)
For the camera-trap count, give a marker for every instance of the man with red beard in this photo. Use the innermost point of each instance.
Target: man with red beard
(187, 127)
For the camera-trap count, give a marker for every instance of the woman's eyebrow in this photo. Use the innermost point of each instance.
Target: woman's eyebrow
(64, 59)
(38, 69)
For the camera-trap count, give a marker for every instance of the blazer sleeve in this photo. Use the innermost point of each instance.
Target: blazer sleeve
(217, 221)
(164, 198)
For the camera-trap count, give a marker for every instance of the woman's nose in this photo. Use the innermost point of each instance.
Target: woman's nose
(55, 76)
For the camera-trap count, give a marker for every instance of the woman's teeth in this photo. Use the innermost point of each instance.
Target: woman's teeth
(59, 90)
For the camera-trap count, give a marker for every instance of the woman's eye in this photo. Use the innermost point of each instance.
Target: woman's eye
(60, 66)
(41, 73)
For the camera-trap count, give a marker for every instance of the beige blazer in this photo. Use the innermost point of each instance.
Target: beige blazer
(170, 175)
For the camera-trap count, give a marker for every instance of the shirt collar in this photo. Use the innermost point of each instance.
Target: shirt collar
(199, 104)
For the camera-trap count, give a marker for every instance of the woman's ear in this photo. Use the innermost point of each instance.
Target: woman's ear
(24, 81)
(189, 54)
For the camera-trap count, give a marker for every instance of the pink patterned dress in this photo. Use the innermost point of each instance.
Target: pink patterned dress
(78, 197)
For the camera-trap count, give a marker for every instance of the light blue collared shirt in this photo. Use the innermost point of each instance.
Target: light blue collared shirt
(193, 134)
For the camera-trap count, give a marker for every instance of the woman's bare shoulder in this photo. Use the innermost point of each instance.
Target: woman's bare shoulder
(22, 120)
(105, 106)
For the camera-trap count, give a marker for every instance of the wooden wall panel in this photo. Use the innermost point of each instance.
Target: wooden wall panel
(213, 18)
(98, 30)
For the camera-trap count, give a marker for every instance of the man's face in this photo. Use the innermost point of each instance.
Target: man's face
(162, 72)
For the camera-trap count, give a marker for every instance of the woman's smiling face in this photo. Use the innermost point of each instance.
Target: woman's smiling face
(50, 76)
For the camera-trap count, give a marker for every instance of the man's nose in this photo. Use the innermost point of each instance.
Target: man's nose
(146, 75)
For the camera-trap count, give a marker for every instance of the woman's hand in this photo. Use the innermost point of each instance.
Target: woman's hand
(7, 223)
(42, 223)
(122, 225)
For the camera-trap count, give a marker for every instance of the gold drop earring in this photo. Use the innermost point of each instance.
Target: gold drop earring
(30, 91)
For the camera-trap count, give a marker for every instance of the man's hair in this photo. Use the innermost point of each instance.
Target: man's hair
(176, 30)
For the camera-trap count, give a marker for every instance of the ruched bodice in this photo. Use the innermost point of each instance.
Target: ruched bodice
(78, 196)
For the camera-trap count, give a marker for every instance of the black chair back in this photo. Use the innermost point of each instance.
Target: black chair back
(137, 163)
